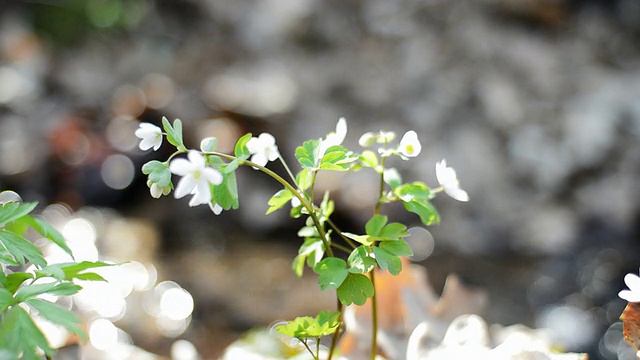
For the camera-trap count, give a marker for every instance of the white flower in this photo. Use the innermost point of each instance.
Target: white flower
(449, 181)
(633, 283)
(333, 138)
(196, 178)
(409, 144)
(263, 148)
(151, 136)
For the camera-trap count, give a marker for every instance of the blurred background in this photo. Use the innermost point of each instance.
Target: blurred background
(535, 103)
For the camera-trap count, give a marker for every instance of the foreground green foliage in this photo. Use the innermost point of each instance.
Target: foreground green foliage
(26, 278)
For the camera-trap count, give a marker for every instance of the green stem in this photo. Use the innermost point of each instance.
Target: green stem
(294, 191)
(340, 247)
(374, 301)
(286, 167)
(336, 335)
(304, 342)
(346, 239)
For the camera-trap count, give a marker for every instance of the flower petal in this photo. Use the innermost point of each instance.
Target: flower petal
(181, 167)
(217, 209)
(633, 282)
(630, 296)
(196, 159)
(185, 186)
(212, 176)
(457, 193)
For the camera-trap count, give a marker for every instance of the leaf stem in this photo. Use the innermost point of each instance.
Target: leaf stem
(346, 239)
(336, 335)
(286, 167)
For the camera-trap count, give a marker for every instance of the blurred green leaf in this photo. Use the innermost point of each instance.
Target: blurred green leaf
(174, 133)
(240, 149)
(427, 212)
(18, 334)
(71, 270)
(14, 280)
(280, 199)
(59, 289)
(58, 315)
(307, 153)
(6, 299)
(21, 249)
(13, 211)
(355, 289)
(49, 232)
(398, 247)
(393, 231)
(304, 179)
(369, 159)
(332, 273)
(306, 327)
(226, 193)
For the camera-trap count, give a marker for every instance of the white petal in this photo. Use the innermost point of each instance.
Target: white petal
(457, 193)
(632, 281)
(217, 209)
(272, 154)
(212, 176)
(156, 190)
(260, 159)
(185, 186)
(341, 130)
(630, 296)
(253, 145)
(267, 139)
(181, 167)
(440, 166)
(196, 159)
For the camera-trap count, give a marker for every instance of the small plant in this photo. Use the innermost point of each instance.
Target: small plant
(209, 177)
(27, 281)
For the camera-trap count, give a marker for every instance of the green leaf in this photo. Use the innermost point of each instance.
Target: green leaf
(398, 247)
(153, 166)
(387, 260)
(280, 199)
(304, 179)
(393, 231)
(59, 315)
(226, 194)
(307, 153)
(16, 279)
(369, 159)
(332, 273)
(335, 158)
(70, 270)
(18, 333)
(306, 327)
(59, 289)
(45, 229)
(360, 260)
(375, 224)
(174, 133)
(414, 191)
(240, 149)
(231, 167)
(21, 249)
(13, 211)
(6, 299)
(7, 258)
(362, 239)
(392, 178)
(427, 212)
(355, 289)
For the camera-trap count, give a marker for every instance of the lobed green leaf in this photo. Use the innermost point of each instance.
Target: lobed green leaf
(387, 260)
(375, 224)
(355, 289)
(6, 299)
(360, 260)
(307, 154)
(333, 271)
